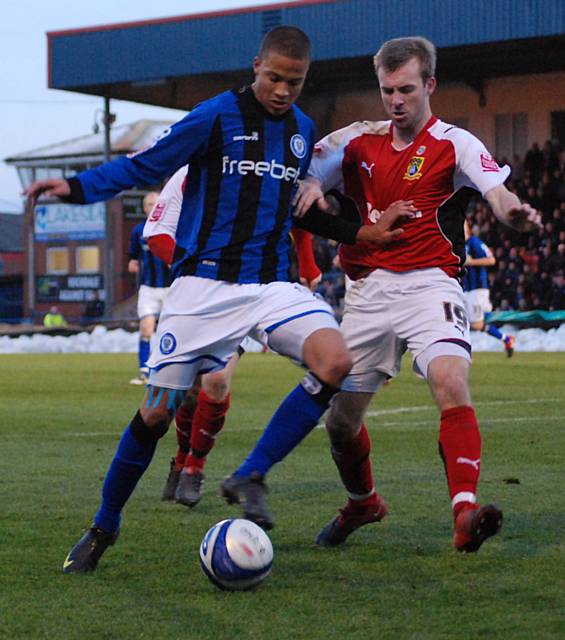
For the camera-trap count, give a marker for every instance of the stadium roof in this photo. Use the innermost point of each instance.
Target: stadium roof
(176, 62)
(90, 148)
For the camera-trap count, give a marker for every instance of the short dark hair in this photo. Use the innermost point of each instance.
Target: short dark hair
(397, 52)
(287, 41)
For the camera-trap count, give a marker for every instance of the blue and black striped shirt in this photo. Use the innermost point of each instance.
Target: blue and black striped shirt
(475, 277)
(244, 164)
(153, 271)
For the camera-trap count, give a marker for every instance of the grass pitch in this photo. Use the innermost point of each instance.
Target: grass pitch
(61, 418)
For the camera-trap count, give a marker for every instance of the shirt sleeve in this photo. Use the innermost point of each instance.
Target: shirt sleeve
(327, 160)
(475, 167)
(165, 215)
(176, 146)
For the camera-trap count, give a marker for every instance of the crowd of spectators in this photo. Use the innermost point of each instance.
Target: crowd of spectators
(529, 270)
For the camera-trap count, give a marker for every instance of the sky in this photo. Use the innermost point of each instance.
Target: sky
(31, 115)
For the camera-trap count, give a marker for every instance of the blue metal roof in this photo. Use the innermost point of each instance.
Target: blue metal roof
(152, 51)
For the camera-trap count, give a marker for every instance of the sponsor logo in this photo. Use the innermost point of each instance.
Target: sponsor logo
(414, 169)
(260, 168)
(474, 463)
(157, 212)
(420, 151)
(168, 343)
(254, 137)
(298, 145)
(488, 163)
(368, 169)
(374, 215)
(317, 149)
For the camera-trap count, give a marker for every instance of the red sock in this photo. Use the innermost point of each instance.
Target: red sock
(208, 421)
(354, 465)
(460, 449)
(183, 421)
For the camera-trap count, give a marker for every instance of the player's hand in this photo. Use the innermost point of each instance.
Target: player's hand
(311, 284)
(52, 188)
(382, 232)
(524, 218)
(309, 192)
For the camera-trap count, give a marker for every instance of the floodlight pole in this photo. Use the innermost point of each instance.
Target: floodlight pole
(108, 247)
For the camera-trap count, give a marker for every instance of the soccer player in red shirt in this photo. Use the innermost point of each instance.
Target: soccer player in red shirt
(406, 295)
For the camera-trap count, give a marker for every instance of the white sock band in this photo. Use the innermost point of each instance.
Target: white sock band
(464, 496)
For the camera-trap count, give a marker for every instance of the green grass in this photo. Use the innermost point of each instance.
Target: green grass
(60, 420)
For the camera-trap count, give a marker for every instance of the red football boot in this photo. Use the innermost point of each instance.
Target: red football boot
(474, 525)
(350, 518)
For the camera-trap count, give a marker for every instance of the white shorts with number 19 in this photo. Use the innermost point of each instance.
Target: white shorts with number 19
(203, 322)
(387, 313)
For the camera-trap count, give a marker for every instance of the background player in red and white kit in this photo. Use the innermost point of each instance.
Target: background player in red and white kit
(203, 411)
(407, 295)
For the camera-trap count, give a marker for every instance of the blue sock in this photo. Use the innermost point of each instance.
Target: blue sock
(130, 461)
(493, 331)
(143, 352)
(296, 416)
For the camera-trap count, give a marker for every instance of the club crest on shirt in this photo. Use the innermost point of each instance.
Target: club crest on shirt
(298, 145)
(414, 169)
(168, 343)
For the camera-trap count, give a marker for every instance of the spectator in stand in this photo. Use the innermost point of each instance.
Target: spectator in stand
(94, 309)
(550, 157)
(533, 162)
(557, 292)
(517, 168)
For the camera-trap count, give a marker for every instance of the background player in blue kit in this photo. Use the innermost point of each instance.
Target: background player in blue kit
(476, 288)
(154, 280)
(246, 150)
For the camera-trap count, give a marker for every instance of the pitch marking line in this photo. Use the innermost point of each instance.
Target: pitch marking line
(432, 407)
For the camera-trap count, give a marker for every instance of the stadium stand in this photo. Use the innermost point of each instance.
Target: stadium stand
(529, 271)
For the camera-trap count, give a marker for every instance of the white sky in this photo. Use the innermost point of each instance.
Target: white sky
(32, 115)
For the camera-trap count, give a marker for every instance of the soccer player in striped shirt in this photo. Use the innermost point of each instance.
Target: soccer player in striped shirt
(153, 280)
(475, 286)
(246, 150)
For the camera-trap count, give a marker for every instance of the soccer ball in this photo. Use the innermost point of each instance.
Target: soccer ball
(236, 554)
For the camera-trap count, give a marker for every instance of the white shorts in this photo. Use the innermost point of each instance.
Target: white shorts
(150, 300)
(477, 303)
(387, 313)
(203, 322)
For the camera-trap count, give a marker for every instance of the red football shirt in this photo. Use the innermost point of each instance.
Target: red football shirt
(436, 171)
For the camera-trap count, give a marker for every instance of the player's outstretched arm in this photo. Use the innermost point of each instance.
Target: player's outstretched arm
(51, 187)
(509, 210)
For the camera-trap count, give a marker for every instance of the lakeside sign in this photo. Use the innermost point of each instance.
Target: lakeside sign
(72, 222)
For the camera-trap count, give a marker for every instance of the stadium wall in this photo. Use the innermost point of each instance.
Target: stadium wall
(535, 95)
